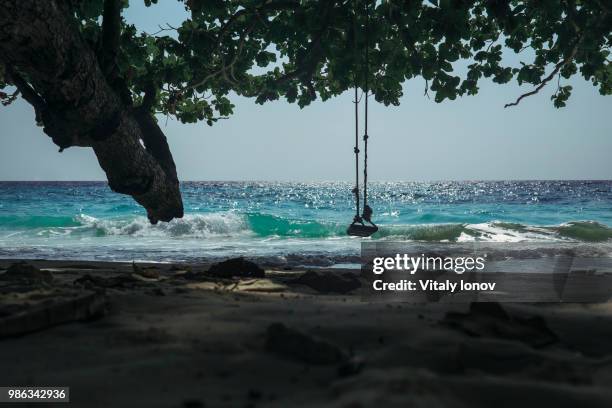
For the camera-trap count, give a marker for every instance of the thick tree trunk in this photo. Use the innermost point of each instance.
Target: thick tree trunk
(58, 72)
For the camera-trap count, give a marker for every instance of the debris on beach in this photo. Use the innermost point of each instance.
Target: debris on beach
(180, 268)
(236, 267)
(329, 282)
(302, 347)
(113, 282)
(40, 309)
(490, 319)
(145, 272)
(26, 274)
(82, 266)
(259, 285)
(188, 273)
(32, 300)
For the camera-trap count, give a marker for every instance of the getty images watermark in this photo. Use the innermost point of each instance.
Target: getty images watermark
(512, 272)
(412, 264)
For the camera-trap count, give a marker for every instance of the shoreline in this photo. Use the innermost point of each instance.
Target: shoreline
(270, 263)
(196, 341)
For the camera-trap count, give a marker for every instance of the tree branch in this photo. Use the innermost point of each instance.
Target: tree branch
(111, 33)
(148, 101)
(52, 124)
(581, 34)
(6, 99)
(83, 108)
(550, 76)
(272, 6)
(265, 7)
(313, 54)
(603, 6)
(27, 93)
(152, 136)
(156, 143)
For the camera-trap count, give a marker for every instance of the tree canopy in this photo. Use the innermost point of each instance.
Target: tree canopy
(299, 50)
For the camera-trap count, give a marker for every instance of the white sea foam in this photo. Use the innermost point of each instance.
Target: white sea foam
(191, 225)
(503, 232)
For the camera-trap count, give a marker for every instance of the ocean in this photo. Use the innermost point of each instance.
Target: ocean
(299, 223)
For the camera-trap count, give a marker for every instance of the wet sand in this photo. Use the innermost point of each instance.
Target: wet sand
(171, 336)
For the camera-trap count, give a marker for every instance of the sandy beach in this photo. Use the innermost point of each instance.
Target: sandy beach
(173, 336)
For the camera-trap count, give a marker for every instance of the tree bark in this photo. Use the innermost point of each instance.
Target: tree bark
(41, 44)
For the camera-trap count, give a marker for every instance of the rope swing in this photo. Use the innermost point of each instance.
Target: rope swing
(358, 227)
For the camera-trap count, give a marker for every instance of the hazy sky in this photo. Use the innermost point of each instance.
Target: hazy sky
(470, 138)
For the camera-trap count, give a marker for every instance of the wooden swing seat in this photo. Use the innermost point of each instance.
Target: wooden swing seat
(361, 230)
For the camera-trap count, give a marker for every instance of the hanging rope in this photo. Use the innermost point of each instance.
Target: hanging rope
(356, 102)
(367, 211)
(356, 150)
(358, 227)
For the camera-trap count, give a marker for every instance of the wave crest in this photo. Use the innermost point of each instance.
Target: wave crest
(191, 225)
(235, 224)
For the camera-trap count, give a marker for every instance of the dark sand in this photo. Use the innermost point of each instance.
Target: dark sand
(179, 339)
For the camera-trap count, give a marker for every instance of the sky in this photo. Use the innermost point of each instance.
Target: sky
(471, 138)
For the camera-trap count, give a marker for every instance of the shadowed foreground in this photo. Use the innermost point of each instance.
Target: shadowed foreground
(172, 336)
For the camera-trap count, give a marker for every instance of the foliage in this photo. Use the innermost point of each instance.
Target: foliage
(307, 49)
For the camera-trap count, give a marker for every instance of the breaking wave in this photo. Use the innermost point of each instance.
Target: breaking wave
(235, 224)
(192, 225)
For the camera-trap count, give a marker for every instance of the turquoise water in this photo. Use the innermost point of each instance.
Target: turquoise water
(85, 220)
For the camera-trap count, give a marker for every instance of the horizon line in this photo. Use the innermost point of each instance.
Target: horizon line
(322, 181)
